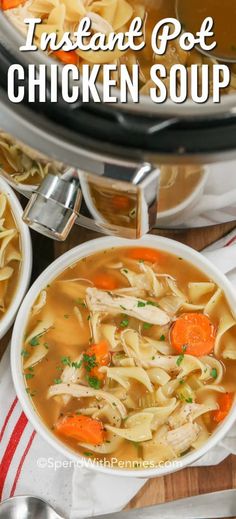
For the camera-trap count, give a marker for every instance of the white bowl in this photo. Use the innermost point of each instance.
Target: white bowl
(53, 271)
(26, 264)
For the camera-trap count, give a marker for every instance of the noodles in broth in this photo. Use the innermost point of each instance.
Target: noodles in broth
(131, 354)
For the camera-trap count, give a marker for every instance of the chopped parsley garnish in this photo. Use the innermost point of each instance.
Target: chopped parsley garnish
(88, 454)
(89, 317)
(147, 326)
(66, 316)
(66, 361)
(181, 381)
(214, 373)
(189, 400)
(46, 345)
(76, 365)
(94, 382)
(89, 362)
(24, 353)
(125, 271)
(180, 359)
(35, 340)
(28, 376)
(152, 303)
(57, 381)
(124, 323)
(80, 302)
(141, 304)
(162, 338)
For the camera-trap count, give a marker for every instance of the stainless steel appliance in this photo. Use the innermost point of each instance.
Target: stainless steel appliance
(137, 165)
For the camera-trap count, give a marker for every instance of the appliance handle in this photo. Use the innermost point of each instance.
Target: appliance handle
(132, 124)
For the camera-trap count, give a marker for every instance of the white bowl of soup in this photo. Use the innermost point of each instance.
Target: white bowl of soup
(15, 256)
(123, 355)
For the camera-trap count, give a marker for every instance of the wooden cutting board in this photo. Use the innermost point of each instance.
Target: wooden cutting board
(188, 482)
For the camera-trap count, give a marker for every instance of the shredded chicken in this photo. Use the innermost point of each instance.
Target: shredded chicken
(79, 391)
(189, 413)
(100, 301)
(183, 437)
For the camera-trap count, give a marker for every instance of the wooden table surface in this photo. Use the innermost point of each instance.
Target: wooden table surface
(188, 482)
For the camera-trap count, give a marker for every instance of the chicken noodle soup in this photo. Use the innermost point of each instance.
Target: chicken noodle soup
(23, 164)
(10, 255)
(107, 16)
(131, 354)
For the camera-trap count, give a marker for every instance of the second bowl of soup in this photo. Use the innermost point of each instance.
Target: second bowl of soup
(124, 354)
(15, 256)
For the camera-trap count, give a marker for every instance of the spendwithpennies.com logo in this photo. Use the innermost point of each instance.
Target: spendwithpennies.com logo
(58, 464)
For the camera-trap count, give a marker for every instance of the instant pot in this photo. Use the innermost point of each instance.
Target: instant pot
(132, 152)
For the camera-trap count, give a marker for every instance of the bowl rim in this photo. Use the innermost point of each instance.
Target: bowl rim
(51, 273)
(26, 264)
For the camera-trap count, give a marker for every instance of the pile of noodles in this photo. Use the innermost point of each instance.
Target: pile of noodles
(9, 254)
(23, 163)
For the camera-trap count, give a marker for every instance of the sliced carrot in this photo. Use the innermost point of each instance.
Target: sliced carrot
(194, 334)
(121, 202)
(101, 353)
(11, 4)
(70, 57)
(81, 428)
(105, 281)
(225, 401)
(145, 254)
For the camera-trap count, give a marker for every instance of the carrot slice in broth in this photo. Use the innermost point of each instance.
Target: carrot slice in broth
(194, 334)
(81, 428)
(225, 402)
(145, 254)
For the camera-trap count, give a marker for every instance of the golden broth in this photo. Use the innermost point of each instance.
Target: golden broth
(65, 338)
(192, 13)
(177, 183)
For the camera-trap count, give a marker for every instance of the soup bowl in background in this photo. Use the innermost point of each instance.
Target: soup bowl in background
(51, 273)
(181, 212)
(26, 263)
